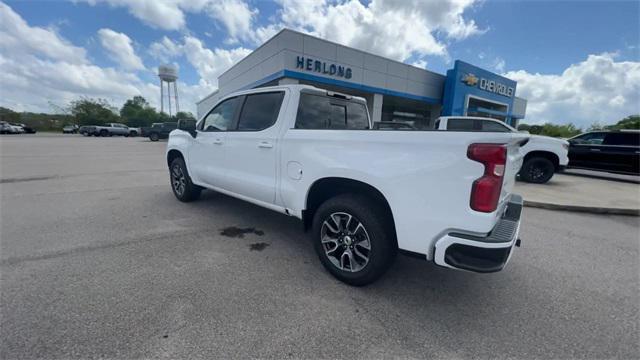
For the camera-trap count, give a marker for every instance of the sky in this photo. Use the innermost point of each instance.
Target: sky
(575, 61)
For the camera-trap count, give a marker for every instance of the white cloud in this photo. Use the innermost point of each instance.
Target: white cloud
(498, 65)
(394, 28)
(119, 49)
(211, 63)
(422, 64)
(165, 49)
(41, 67)
(236, 16)
(166, 15)
(599, 89)
(17, 37)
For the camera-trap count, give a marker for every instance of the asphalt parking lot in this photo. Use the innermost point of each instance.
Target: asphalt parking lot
(98, 260)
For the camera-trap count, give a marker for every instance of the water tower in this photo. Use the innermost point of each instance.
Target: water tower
(168, 74)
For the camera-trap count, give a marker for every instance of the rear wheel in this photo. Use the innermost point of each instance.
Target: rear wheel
(537, 170)
(154, 137)
(353, 239)
(181, 184)
(104, 133)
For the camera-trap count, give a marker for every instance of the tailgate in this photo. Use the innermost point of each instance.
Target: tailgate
(513, 165)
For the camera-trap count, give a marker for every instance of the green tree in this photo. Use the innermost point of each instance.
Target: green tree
(136, 112)
(9, 115)
(630, 122)
(554, 130)
(88, 111)
(184, 115)
(595, 126)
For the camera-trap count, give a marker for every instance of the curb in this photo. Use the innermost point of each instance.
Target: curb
(601, 177)
(584, 209)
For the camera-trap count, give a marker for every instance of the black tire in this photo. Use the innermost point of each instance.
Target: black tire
(181, 184)
(537, 170)
(377, 227)
(154, 137)
(134, 133)
(104, 133)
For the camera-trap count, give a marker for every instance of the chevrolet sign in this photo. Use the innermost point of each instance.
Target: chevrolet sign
(488, 85)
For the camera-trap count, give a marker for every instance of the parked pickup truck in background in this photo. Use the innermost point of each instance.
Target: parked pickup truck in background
(159, 131)
(363, 194)
(112, 129)
(543, 155)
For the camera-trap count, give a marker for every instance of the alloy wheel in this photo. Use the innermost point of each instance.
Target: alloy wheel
(345, 241)
(178, 179)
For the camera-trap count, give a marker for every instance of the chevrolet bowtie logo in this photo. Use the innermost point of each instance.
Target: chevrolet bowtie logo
(470, 79)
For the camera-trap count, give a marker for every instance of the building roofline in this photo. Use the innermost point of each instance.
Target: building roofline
(208, 96)
(325, 40)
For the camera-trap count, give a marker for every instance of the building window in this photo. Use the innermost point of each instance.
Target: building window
(484, 108)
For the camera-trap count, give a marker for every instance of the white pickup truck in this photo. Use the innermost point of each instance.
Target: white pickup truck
(363, 194)
(543, 155)
(111, 129)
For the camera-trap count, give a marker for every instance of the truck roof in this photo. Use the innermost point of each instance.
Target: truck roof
(297, 88)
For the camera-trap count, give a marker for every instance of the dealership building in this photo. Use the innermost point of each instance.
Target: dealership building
(394, 91)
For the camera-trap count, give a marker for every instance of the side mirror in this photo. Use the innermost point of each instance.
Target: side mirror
(523, 131)
(188, 125)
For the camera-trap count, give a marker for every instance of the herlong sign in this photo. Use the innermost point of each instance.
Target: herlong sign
(323, 67)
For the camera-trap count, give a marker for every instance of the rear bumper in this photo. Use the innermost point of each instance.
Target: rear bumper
(484, 254)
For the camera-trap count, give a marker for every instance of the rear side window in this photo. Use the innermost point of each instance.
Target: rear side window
(491, 126)
(260, 111)
(322, 112)
(337, 117)
(461, 124)
(357, 116)
(622, 139)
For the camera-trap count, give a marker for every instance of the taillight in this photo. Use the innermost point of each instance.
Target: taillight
(485, 192)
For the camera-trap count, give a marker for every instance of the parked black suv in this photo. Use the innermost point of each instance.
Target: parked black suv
(614, 151)
(159, 130)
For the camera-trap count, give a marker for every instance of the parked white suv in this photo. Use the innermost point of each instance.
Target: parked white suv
(543, 155)
(363, 194)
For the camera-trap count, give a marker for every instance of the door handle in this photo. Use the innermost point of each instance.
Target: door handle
(217, 142)
(265, 144)
(595, 149)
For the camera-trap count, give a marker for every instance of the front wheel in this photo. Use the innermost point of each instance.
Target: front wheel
(181, 184)
(154, 137)
(537, 170)
(353, 238)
